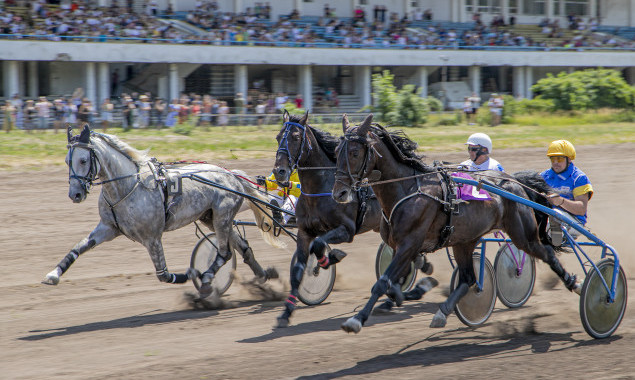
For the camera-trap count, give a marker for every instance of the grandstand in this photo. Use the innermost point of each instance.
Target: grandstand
(226, 47)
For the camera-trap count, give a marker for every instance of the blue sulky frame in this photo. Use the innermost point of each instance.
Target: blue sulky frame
(607, 250)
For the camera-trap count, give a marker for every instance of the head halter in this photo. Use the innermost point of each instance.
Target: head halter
(283, 147)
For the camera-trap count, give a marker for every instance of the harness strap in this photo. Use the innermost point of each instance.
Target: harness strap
(362, 198)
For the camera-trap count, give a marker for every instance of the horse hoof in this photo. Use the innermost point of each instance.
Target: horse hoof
(384, 308)
(282, 322)
(336, 255)
(427, 268)
(428, 283)
(352, 325)
(439, 320)
(271, 273)
(205, 290)
(51, 280)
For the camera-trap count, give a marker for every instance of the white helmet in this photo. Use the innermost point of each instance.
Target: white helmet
(480, 139)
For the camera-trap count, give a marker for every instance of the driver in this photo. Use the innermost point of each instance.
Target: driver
(280, 195)
(573, 190)
(479, 147)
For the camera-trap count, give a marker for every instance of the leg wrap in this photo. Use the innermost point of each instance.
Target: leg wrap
(164, 276)
(449, 304)
(317, 247)
(324, 261)
(296, 275)
(68, 260)
(381, 286)
(216, 265)
(179, 278)
(569, 281)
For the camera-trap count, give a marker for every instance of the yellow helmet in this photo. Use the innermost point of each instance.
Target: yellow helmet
(561, 148)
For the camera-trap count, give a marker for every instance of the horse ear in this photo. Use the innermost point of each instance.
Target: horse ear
(84, 137)
(69, 133)
(365, 126)
(285, 116)
(305, 119)
(345, 123)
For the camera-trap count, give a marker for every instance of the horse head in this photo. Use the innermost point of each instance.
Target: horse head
(355, 159)
(83, 165)
(291, 141)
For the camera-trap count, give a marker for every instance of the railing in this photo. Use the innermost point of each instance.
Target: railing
(316, 44)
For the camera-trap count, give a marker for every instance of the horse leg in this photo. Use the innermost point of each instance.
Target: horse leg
(101, 233)
(387, 283)
(335, 236)
(222, 224)
(248, 258)
(155, 249)
(297, 272)
(522, 230)
(467, 278)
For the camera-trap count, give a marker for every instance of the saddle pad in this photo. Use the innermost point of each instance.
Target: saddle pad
(468, 192)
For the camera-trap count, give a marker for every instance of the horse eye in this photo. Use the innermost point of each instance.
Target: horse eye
(83, 161)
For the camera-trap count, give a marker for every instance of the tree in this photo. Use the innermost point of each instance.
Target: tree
(405, 107)
(586, 89)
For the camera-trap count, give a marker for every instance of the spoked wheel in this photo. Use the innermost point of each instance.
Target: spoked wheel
(203, 256)
(476, 306)
(384, 257)
(317, 283)
(514, 283)
(599, 317)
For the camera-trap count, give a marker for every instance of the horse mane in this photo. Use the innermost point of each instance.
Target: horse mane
(402, 148)
(327, 141)
(137, 156)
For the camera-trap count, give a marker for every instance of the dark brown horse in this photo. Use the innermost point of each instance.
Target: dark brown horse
(415, 218)
(320, 220)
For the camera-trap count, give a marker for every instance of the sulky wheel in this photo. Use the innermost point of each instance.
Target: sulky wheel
(513, 284)
(203, 256)
(476, 306)
(599, 317)
(384, 257)
(317, 283)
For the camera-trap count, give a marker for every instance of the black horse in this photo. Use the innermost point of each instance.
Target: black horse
(320, 220)
(412, 197)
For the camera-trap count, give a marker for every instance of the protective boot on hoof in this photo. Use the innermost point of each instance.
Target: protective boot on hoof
(424, 265)
(439, 320)
(52, 278)
(384, 308)
(335, 256)
(282, 322)
(395, 293)
(206, 288)
(352, 325)
(423, 286)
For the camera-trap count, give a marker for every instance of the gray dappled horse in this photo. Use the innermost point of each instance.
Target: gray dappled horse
(414, 216)
(133, 203)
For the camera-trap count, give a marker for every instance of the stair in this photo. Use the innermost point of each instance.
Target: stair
(349, 103)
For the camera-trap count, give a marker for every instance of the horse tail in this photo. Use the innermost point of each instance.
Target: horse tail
(264, 221)
(534, 181)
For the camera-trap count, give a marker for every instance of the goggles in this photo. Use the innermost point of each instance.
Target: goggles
(558, 159)
(473, 148)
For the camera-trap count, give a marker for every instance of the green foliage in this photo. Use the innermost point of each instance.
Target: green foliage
(384, 95)
(509, 109)
(586, 89)
(404, 107)
(455, 119)
(527, 106)
(292, 109)
(434, 104)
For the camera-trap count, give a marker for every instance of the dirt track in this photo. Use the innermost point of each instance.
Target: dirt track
(110, 317)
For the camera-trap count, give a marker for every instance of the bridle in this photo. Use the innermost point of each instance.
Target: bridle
(359, 177)
(85, 181)
(283, 146)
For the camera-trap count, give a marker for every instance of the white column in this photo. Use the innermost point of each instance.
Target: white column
(519, 81)
(631, 13)
(529, 81)
(422, 80)
(306, 85)
(593, 5)
(238, 6)
(297, 4)
(240, 80)
(549, 10)
(406, 9)
(363, 85)
(454, 10)
(91, 88)
(173, 80)
(103, 79)
(33, 80)
(11, 78)
(563, 15)
(474, 74)
(462, 16)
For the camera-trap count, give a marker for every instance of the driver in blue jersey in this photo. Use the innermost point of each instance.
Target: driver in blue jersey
(572, 187)
(479, 147)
